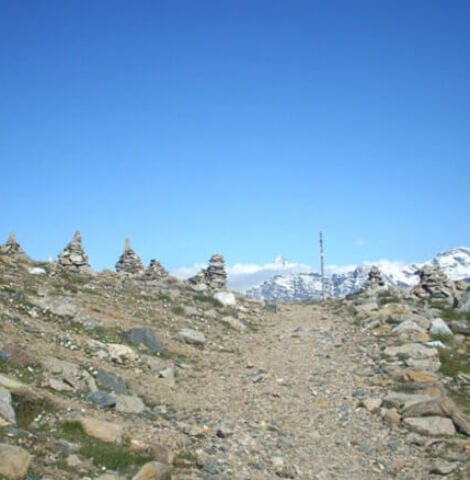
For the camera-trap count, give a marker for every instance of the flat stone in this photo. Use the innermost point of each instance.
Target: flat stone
(58, 305)
(443, 468)
(227, 299)
(102, 399)
(187, 335)
(111, 381)
(145, 336)
(152, 471)
(104, 431)
(432, 426)
(413, 350)
(14, 461)
(418, 376)
(6, 409)
(402, 401)
(129, 404)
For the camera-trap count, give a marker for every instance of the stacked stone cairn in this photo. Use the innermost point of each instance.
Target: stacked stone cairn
(214, 276)
(13, 249)
(155, 271)
(73, 257)
(129, 262)
(374, 279)
(434, 285)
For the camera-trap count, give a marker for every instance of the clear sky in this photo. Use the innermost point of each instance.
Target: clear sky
(238, 126)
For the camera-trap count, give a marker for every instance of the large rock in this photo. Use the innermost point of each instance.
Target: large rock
(227, 299)
(104, 431)
(13, 249)
(433, 426)
(73, 257)
(67, 376)
(193, 337)
(6, 409)
(145, 336)
(152, 471)
(102, 399)
(111, 381)
(129, 262)
(14, 462)
(121, 354)
(439, 327)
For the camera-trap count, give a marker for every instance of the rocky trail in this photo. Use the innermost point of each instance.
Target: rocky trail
(135, 375)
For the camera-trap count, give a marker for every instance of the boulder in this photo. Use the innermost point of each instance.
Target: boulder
(433, 426)
(129, 404)
(145, 336)
(14, 462)
(104, 431)
(439, 327)
(187, 335)
(227, 299)
(152, 471)
(121, 354)
(6, 408)
(111, 381)
(412, 350)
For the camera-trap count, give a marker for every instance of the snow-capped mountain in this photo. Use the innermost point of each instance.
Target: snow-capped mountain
(298, 287)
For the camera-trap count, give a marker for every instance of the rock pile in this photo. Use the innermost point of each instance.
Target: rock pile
(434, 284)
(129, 261)
(12, 248)
(73, 256)
(155, 271)
(214, 276)
(374, 279)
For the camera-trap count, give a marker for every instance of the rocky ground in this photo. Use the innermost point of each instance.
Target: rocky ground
(114, 377)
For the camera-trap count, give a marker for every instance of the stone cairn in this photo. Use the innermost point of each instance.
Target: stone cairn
(434, 284)
(374, 279)
(12, 248)
(155, 271)
(214, 276)
(129, 261)
(73, 257)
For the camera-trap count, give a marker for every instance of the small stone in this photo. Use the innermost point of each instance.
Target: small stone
(371, 404)
(74, 461)
(391, 416)
(129, 404)
(14, 461)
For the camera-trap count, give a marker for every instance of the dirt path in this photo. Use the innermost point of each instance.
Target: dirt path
(288, 402)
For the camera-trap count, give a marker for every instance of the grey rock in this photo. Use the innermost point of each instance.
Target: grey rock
(111, 381)
(72, 377)
(433, 426)
(439, 327)
(6, 408)
(129, 404)
(403, 401)
(443, 468)
(434, 284)
(214, 276)
(155, 271)
(413, 350)
(194, 337)
(102, 399)
(145, 336)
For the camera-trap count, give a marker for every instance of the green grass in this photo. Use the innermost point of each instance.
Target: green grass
(210, 300)
(27, 409)
(452, 363)
(178, 310)
(103, 454)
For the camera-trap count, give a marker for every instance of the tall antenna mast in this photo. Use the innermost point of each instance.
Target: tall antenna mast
(322, 269)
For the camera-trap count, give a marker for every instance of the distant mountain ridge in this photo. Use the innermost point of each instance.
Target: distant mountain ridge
(298, 287)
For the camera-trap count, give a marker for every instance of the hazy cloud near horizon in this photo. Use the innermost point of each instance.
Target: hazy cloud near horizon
(244, 276)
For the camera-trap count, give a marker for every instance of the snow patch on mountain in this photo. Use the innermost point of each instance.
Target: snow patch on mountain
(342, 280)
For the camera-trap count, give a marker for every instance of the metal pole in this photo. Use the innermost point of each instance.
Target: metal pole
(322, 270)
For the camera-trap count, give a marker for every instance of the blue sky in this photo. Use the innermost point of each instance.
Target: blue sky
(238, 126)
